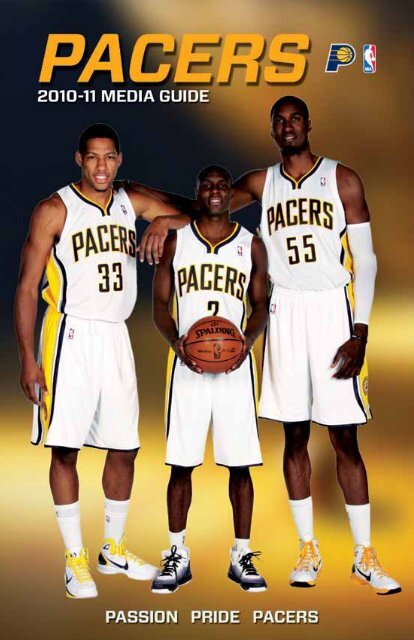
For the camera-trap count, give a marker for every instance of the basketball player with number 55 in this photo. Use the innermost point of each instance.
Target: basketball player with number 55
(84, 385)
(211, 265)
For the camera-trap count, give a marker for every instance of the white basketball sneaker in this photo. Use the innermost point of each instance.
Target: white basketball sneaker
(78, 580)
(115, 558)
(243, 572)
(175, 572)
(308, 565)
(366, 570)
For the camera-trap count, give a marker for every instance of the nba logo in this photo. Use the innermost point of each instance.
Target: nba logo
(339, 55)
(272, 308)
(71, 334)
(239, 250)
(370, 58)
(323, 181)
(124, 210)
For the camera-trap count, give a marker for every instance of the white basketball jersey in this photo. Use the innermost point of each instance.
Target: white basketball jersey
(91, 271)
(211, 279)
(304, 229)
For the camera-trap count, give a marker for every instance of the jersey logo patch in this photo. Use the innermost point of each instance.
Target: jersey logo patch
(323, 181)
(124, 210)
(71, 334)
(239, 250)
(272, 308)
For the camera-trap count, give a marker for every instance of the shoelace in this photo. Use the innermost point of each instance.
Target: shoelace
(370, 561)
(171, 562)
(79, 566)
(308, 558)
(246, 563)
(121, 550)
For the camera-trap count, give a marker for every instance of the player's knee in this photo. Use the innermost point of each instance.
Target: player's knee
(180, 474)
(239, 474)
(125, 459)
(344, 441)
(63, 457)
(296, 437)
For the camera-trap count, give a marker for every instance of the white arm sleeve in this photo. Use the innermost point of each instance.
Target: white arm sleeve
(365, 268)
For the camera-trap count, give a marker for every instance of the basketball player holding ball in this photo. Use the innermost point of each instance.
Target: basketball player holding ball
(211, 266)
(316, 228)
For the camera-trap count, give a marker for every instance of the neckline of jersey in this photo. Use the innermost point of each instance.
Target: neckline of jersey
(214, 248)
(296, 184)
(103, 209)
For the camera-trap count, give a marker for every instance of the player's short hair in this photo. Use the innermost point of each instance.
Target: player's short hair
(98, 130)
(213, 168)
(302, 106)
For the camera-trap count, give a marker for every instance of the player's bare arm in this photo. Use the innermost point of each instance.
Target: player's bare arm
(350, 355)
(247, 189)
(163, 287)
(257, 293)
(163, 217)
(46, 225)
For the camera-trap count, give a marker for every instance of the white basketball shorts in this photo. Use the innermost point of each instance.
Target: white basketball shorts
(227, 401)
(305, 330)
(90, 375)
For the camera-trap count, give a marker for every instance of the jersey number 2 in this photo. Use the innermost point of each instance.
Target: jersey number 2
(117, 280)
(213, 306)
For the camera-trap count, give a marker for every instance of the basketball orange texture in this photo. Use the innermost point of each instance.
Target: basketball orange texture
(214, 343)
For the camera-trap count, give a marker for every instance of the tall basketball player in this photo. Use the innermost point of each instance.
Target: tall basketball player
(316, 228)
(199, 264)
(84, 385)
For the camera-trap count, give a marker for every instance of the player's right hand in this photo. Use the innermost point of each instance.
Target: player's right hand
(178, 347)
(30, 375)
(152, 241)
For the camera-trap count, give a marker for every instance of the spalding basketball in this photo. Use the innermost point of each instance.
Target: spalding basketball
(214, 343)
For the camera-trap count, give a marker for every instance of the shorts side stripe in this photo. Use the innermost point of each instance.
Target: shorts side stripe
(172, 362)
(355, 378)
(56, 366)
(253, 376)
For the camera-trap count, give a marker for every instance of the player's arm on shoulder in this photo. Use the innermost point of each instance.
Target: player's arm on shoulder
(350, 355)
(248, 188)
(163, 217)
(46, 225)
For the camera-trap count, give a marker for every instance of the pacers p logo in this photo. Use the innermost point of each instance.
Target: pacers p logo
(339, 55)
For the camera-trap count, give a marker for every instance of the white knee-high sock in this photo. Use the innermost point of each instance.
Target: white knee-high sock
(359, 516)
(116, 512)
(302, 511)
(68, 519)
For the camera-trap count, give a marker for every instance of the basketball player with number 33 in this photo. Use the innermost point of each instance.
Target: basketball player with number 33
(212, 265)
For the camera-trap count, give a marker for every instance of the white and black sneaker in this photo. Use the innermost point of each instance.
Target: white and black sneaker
(366, 570)
(243, 572)
(175, 570)
(115, 558)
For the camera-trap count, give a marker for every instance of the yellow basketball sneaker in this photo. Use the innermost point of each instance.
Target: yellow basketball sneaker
(115, 558)
(366, 570)
(308, 565)
(78, 580)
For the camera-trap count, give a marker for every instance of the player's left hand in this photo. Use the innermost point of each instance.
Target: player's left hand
(151, 245)
(247, 345)
(349, 359)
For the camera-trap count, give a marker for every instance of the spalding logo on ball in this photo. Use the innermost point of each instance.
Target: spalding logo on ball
(214, 344)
